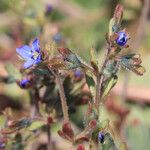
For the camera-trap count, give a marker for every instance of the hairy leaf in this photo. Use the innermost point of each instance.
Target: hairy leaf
(93, 59)
(39, 71)
(111, 69)
(132, 62)
(109, 84)
(91, 83)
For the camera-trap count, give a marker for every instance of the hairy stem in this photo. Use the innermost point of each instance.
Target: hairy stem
(98, 85)
(87, 67)
(100, 78)
(63, 98)
(34, 97)
(49, 144)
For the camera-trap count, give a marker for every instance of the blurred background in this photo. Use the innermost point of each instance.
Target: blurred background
(78, 25)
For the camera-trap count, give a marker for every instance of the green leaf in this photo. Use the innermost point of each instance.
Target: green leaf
(91, 83)
(104, 124)
(111, 69)
(93, 59)
(35, 125)
(77, 88)
(115, 22)
(132, 62)
(2, 120)
(109, 84)
(113, 27)
(39, 71)
(70, 57)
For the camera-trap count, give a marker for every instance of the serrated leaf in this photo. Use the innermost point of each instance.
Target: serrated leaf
(109, 84)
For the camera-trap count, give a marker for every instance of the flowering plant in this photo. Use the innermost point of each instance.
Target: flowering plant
(45, 75)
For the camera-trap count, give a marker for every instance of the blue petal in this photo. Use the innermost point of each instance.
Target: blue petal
(38, 60)
(36, 45)
(28, 64)
(24, 51)
(24, 82)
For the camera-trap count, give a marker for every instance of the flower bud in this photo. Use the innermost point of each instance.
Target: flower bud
(101, 137)
(25, 83)
(122, 38)
(80, 147)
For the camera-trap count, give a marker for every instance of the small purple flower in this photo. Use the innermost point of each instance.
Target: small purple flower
(101, 137)
(2, 145)
(78, 74)
(49, 9)
(122, 38)
(24, 83)
(32, 54)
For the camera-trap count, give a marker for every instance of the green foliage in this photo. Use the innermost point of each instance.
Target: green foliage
(35, 125)
(109, 84)
(91, 83)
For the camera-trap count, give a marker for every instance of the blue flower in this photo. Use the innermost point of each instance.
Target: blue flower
(24, 83)
(78, 74)
(122, 38)
(2, 145)
(49, 9)
(101, 137)
(32, 55)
